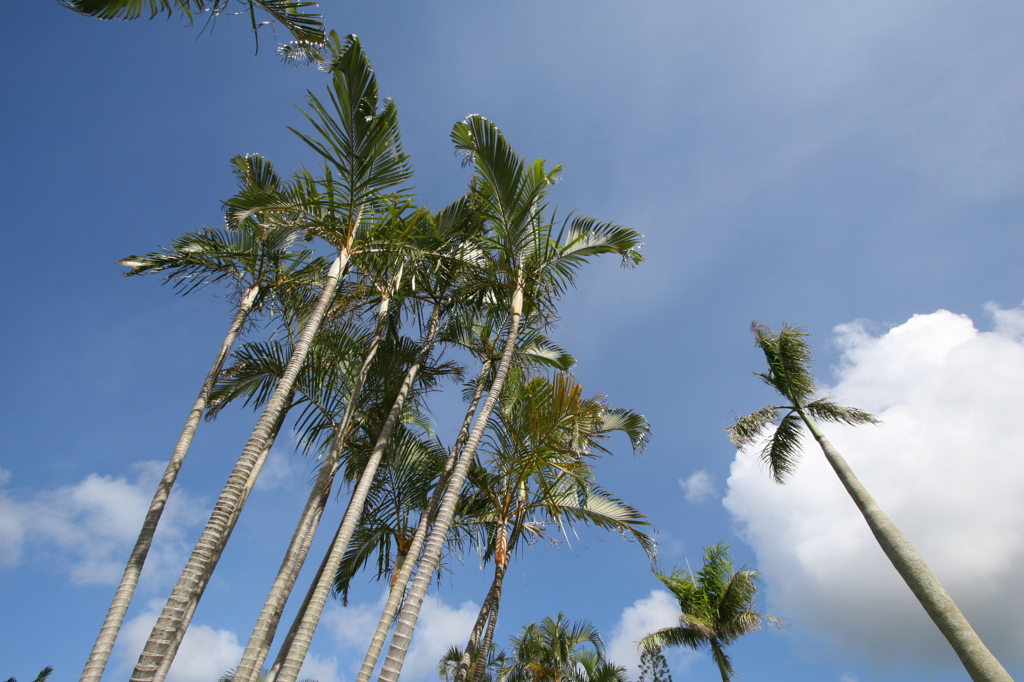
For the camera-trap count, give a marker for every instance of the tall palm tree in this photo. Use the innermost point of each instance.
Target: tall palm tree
(531, 262)
(478, 337)
(361, 147)
(537, 474)
(789, 373)
(257, 262)
(717, 608)
(446, 250)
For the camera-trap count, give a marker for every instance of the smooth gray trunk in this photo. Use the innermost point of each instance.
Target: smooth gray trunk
(401, 580)
(432, 552)
(262, 636)
(100, 653)
(981, 665)
(177, 612)
(311, 618)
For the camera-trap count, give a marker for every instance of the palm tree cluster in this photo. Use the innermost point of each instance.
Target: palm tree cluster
(553, 650)
(345, 294)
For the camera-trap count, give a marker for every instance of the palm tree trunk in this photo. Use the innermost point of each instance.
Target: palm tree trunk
(262, 636)
(176, 614)
(100, 653)
(484, 649)
(432, 553)
(286, 645)
(401, 578)
(977, 659)
(304, 635)
(720, 659)
(473, 643)
(165, 665)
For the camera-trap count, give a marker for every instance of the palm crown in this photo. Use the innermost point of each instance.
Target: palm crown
(789, 373)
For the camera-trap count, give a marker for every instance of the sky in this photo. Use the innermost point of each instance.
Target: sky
(856, 169)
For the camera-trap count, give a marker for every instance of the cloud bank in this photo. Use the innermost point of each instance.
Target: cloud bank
(90, 527)
(945, 465)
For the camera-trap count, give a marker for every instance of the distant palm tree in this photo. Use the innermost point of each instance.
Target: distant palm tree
(41, 677)
(717, 605)
(789, 373)
(550, 651)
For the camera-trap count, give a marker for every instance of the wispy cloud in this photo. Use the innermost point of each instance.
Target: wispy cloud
(698, 486)
(90, 526)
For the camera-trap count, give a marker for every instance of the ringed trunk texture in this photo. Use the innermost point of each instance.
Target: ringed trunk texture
(177, 612)
(432, 553)
(311, 618)
(262, 636)
(100, 653)
(981, 665)
(286, 645)
(165, 666)
(402, 576)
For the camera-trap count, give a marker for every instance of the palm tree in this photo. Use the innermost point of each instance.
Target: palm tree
(479, 338)
(530, 263)
(258, 262)
(789, 373)
(306, 27)
(717, 605)
(363, 159)
(537, 475)
(550, 651)
(448, 666)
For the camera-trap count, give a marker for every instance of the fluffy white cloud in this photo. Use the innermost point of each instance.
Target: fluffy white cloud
(90, 527)
(698, 486)
(439, 626)
(657, 610)
(945, 465)
(205, 653)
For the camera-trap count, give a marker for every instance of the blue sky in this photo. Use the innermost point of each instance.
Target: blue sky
(843, 167)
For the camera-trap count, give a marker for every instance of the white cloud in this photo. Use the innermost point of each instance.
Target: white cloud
(90, 527)
(698, 486)
(945, 466)
(205, 653)
(654, 612)
(439, 626)
(278, 471)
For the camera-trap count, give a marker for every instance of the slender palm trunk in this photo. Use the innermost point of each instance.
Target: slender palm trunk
(286, 645)
(977, 659)
(165, 665)
(401, 578)
(100, 653)
(304, 635)
(180, 605)
(266, 625)
(473, 643)
(484, 646)
(432, 553)
(719, 655)
(494, 595)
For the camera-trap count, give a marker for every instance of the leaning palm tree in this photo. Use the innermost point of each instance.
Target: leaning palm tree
(363, 162)
(717, 605)
(789, 373)
(258, 262)
(530, 263)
